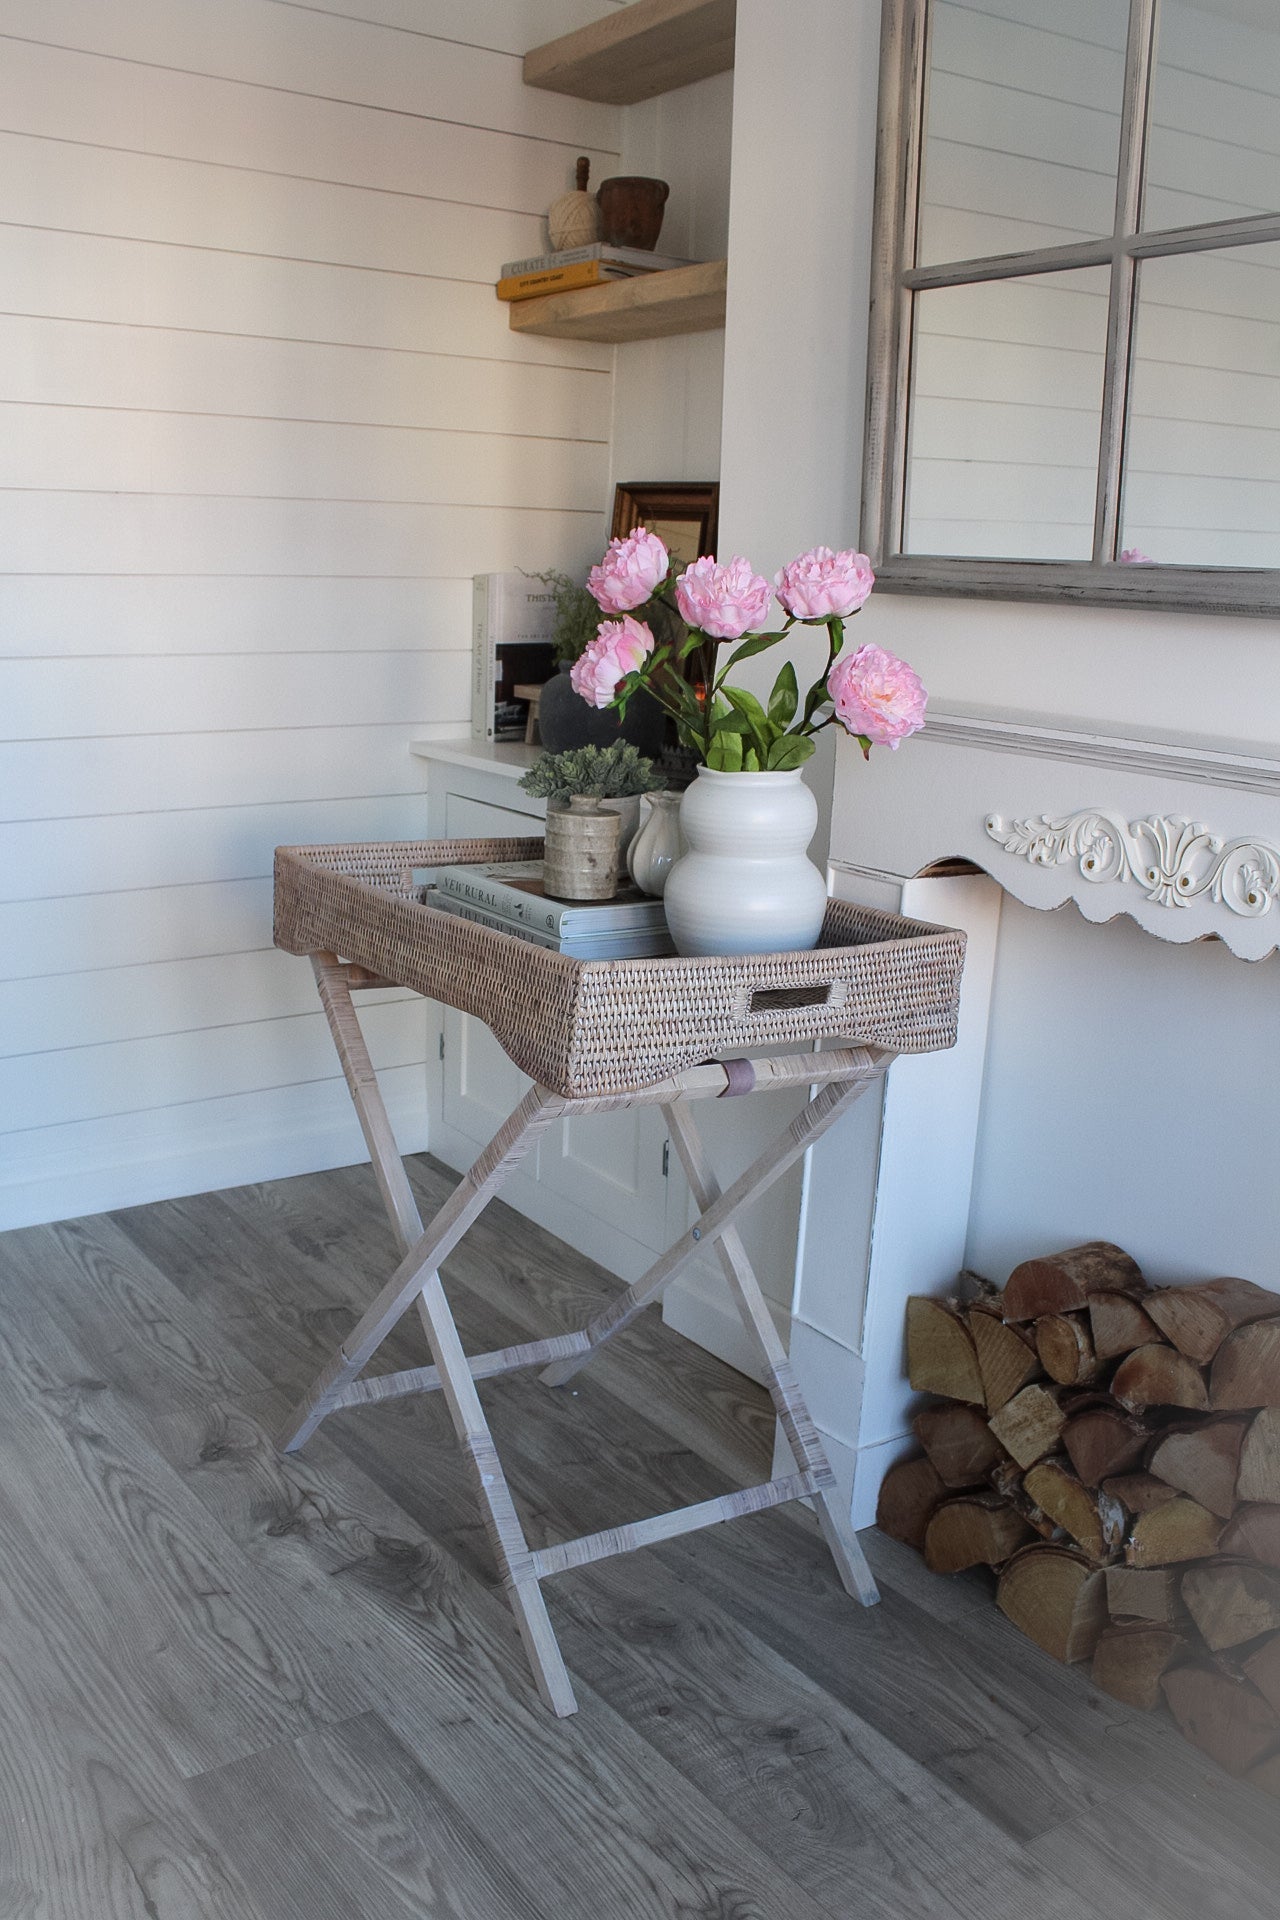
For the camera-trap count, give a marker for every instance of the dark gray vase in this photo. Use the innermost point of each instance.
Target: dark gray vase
(566, 720)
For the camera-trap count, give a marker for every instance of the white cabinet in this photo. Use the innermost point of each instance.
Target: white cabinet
(600, 1183)
(606, 1184)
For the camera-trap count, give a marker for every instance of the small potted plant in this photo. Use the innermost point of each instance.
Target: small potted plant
(615, 776)
(564, 721)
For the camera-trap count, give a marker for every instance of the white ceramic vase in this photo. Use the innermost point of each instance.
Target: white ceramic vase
(658, 845)
(745, 885)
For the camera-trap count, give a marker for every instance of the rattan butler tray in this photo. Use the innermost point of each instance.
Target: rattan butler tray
(594, 1036)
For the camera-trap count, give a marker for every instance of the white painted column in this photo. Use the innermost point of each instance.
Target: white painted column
(886, 1207)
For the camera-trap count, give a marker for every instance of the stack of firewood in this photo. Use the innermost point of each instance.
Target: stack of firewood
(1114, 1452)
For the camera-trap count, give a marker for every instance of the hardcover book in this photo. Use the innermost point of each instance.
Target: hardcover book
(513, 617)
(514, 889)
(620, 943)
(635, 257)
(587, 273)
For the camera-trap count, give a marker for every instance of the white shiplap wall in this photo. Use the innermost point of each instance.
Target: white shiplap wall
(260, 420)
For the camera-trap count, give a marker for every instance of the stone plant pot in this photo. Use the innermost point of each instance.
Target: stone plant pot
(581, 857)
(745, 885)
(565, 719)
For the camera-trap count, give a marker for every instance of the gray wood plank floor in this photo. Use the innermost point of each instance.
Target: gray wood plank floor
(233, 1684)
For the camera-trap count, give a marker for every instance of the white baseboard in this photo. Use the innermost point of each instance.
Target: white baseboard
(162, 1155)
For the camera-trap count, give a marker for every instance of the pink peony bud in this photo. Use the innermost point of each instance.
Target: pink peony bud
(632, 569)
(877, 695)
(821, 584)
(620, 646)
(724, 601)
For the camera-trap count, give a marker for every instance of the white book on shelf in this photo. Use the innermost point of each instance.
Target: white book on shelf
(508, 610)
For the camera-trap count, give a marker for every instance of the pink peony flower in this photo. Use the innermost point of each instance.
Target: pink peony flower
(877, 695)
(620, 646)
(821, 584)
(630, 572)
(1134, 557)
(724, 601)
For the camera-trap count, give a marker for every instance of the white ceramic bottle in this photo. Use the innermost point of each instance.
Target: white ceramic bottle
(658, 845)
(745, 885)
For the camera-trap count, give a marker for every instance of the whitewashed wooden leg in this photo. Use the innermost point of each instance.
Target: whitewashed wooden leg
(366, 1097)
(809, 1125)
(502, 1523)
(467, 1201)
(784, 1389)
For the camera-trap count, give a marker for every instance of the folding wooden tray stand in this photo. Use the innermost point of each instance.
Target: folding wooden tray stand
(595, 1036)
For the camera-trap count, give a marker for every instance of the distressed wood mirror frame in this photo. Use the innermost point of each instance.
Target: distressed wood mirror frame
(898, 281)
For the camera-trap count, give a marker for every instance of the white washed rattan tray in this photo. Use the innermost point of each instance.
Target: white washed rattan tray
(590, 1028)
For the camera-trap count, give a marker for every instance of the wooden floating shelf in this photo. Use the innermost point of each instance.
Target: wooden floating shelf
(639, 52)
(645, 307)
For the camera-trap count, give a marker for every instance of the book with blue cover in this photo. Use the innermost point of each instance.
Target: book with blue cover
(618, 943)
(514, 890)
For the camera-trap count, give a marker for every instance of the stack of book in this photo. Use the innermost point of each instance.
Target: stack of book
(579, 267)
(509, 896)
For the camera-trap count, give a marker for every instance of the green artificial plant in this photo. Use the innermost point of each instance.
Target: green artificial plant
(607, 773)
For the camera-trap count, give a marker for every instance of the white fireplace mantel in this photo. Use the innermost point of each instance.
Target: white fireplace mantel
(1182, 838)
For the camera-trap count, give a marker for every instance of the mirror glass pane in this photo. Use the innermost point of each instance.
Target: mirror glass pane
(1003, 423)
(1213, 151)
(1022, 125)
(1202, 483)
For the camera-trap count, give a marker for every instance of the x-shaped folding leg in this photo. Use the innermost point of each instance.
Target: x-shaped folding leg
(416, 1282)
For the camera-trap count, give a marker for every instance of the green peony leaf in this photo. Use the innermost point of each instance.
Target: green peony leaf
(785, 697)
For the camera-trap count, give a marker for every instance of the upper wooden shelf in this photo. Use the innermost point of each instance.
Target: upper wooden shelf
(681, 300)
(638, 52)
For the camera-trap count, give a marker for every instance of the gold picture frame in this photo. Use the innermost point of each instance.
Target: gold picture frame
(684, 514)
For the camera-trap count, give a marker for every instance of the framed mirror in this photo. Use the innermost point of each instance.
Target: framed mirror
(1074, 356)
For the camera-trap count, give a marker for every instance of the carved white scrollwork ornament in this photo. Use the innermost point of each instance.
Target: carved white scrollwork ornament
(1176, 861)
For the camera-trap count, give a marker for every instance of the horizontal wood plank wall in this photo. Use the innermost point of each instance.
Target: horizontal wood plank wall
(261, 418)
(1024, 119)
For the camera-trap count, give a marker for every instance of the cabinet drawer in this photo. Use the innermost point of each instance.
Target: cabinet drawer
(468, 819)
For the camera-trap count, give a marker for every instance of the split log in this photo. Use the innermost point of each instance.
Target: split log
(1118, 1324)
(909, 1493)
(1197, 1319)
(1232, 1602)
(1263, 1670)
(1094, 1520)
(1144, 1593)
(1223, 1716)
(1065, 1347)
(973, 1530)
(1253, 1533)
(1179, 1530)
(1202, 1460)
(1007, 1359)
(1056, 1598)
(1139, 1492)
(1158, 1377)
(940, 1351)
(959, 1442)
(1259, 1477)
(1266, 1776)
(1029, 1425)
(1246, 1368)
(1103, 1440)
(1006, 1478)
(1128, 1663)
(1061, 1281)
